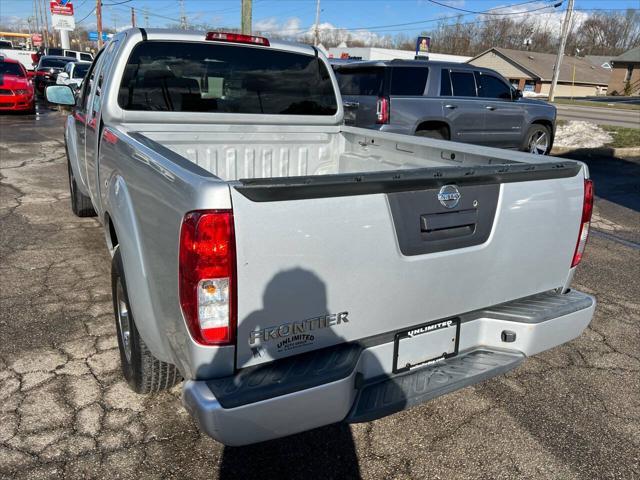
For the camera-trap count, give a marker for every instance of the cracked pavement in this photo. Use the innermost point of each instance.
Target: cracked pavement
(65, 411)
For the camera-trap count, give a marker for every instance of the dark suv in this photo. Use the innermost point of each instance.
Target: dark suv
(450, 101)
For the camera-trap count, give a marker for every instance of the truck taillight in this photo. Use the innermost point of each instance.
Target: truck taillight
(382, 110)
(207, 275)
(583, 234)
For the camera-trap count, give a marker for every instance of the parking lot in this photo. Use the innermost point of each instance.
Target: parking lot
(65, 412)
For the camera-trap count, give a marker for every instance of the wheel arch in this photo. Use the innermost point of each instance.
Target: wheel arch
(434, 124)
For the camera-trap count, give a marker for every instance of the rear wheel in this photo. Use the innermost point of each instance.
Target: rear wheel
(538, 140)
(144, 372)
(80, 203)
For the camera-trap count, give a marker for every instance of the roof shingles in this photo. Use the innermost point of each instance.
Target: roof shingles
(541, 65)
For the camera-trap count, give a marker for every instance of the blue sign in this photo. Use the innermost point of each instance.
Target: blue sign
(93, 36)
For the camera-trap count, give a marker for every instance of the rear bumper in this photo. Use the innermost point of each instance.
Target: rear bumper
(353, 382)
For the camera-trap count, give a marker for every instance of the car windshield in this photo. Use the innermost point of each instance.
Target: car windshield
(81, 70)
(7, 68)
(54, 62)
(209, 77)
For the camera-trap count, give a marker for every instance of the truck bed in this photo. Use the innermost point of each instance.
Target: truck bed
(252, 151)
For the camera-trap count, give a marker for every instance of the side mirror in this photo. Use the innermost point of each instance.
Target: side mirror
(518, 94)
(60, 95)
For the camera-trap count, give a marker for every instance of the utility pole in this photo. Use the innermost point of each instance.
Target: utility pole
(183, 16)
(114, 19)
(246, 17)
(99, 22)
(563, 41)
(133, 17)
(145, 13)
(46, 19)
(37, 16)
(316, 39)
(44, 22)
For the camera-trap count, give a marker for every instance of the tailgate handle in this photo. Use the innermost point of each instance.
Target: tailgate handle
(440, 226)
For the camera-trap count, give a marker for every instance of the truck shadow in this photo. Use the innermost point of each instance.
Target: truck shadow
(325, 452)
(615, 178)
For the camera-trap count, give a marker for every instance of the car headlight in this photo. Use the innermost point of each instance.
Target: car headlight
(22, 92)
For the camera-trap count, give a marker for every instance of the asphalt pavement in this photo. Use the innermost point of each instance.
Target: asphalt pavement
(600, 115)
(65, 412)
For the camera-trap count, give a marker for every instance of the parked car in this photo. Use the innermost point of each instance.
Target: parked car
(73, 74)
(47, 69)
(79, 56)
(449, 101)
(25, 57)
(296, 271)
(16, 89)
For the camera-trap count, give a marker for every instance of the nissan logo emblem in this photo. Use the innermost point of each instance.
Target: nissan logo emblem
(449, 196)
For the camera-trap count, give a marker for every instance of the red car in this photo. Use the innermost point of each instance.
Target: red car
(16, 88)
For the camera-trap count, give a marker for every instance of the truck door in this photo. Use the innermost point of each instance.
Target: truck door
(77, 135)
(504, 117)
(93, 128)
(460, 106)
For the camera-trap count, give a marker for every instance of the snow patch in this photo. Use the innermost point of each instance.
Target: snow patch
(580, 134)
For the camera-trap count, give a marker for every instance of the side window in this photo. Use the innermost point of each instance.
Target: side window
(89, 79)
(96, 77)
(445, 83)
(463, 83)
(85, 57)
(408, 80)
(492, 87)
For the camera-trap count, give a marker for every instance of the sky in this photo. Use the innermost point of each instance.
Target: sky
(364, 17)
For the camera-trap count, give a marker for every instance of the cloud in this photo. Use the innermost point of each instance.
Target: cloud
(550, 19)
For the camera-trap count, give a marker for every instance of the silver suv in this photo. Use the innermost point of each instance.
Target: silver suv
(449, 101)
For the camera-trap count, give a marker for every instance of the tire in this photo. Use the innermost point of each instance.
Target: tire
(537, 140)
(80, 203)
(144, 373)
(437, 134)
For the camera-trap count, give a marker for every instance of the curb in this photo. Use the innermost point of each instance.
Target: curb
(599, 151)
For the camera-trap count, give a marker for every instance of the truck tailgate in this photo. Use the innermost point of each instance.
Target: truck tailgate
(315, 269)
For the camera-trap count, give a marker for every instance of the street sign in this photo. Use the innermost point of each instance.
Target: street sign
(61, 7)
(63, 22)
(36, 39)
(93, 36)
(62, 15)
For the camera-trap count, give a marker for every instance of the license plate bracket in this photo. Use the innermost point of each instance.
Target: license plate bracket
(425, 344)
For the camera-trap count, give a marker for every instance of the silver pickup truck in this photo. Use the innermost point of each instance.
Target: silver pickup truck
(297, 272)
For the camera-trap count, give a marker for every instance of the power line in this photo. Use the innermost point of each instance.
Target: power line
(429, 20)
(491, 11)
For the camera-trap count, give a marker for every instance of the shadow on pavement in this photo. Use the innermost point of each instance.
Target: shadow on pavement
(616, 179)
(327, 452)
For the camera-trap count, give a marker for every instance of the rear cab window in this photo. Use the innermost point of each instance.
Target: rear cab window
(410, 81)
(361, 81)
(210, 77)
